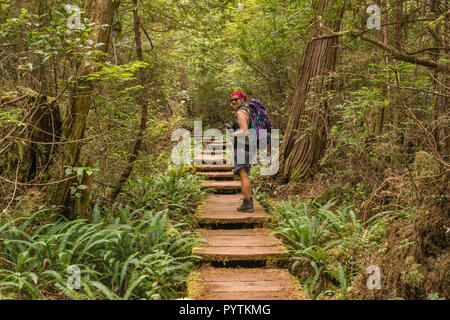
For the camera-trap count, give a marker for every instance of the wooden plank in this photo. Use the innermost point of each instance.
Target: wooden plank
(216, 151)
(243, 217)
(212, 175)
(229, 212)
(240, 283)
(215, 142)
(237, 274)
(212, 167)
(218, 144)
(236, 233)
(243, 244)
(247, 275)
(252, 295)
(219, 147)
(222, 185)
(211, 160)
(203, 137)
(244, 240)
(222, 208)
(249, 241)
(217, 155)
(240, 253)
(261, 285)
(224, 198)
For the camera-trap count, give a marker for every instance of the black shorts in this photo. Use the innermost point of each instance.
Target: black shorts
(246, 165)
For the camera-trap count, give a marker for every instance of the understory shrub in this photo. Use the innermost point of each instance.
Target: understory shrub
(139, 251)
(176, 190)
(114, 257)
(325, 243)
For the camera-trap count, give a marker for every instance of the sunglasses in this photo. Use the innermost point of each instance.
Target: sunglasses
(234, 100)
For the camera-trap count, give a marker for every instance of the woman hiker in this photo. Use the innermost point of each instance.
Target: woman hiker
(242, 168)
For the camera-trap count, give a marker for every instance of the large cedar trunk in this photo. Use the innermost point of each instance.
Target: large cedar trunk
(101, 13)
(305, 135)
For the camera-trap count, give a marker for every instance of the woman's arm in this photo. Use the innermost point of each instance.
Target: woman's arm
(243, 124)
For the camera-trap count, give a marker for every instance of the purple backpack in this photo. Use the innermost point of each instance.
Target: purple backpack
(260, 119)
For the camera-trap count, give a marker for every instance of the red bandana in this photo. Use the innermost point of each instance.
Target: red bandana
(240, 94)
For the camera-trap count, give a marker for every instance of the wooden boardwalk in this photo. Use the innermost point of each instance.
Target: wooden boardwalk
(221, 209)
(242, 284)
(241, 245)
(226, 241)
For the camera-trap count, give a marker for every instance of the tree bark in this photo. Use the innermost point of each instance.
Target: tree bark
(141, 100)
(441, 81)
(305, 135)
(86, 193)
(396, 117)
(384, 111)
(101, 13)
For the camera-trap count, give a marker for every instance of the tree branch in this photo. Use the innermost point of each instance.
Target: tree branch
(404, 57)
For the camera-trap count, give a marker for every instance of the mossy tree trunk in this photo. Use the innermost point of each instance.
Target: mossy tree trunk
(101, 13)
(141, 100)
(441, 38)
(306, 132)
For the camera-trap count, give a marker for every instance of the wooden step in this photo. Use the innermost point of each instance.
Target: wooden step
(223, 152)
(221, 208)
(243, 284)
(223, 185)
(213, 167)
(218, 174)
(217, 144)
(211, 159)
(242, 245)
(214, 153)
(209, 140)
(215, 150)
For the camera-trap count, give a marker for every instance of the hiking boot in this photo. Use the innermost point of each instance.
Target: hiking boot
(246, 206)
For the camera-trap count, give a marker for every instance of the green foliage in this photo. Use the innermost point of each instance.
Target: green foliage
(195, 53)
(256, 50)
(260, 196)
(49, 36)
(110, 73)
(327, 240)
(353, 130)
(177, 190)
(79, 171)
(138, 251)
(127, 254)
(435, 296)
(258, 187)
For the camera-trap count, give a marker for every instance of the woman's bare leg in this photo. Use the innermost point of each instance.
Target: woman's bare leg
(246, 186)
